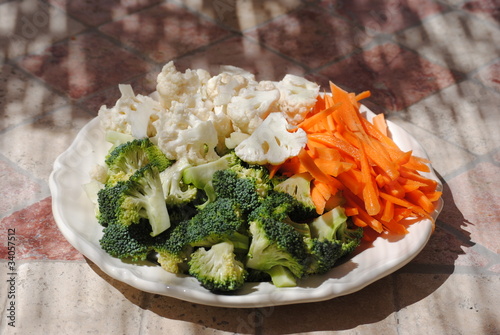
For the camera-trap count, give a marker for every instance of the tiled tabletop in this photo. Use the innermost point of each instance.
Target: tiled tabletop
(433, 67)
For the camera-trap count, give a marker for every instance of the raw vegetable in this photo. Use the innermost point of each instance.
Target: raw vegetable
(231, 180)
(382, 186)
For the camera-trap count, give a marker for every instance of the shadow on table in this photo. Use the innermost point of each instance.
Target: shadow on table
(370, 305)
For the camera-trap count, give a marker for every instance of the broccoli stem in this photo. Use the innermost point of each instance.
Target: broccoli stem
(282, 277)
(157, 212)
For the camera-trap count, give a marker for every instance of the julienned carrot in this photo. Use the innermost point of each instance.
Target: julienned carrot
(345, 154)
(380, 124)
(311, 121)
(370, 194)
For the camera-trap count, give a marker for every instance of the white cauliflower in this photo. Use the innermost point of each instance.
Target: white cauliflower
(196, 90)
(252, 105)
(132, 114)
(182, 134)
(271, 142)
(298, 96)
(188, 87)
(99, 173)
(222, 87)
(235, 139)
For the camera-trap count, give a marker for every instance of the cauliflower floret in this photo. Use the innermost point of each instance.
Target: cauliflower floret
(252, 105)
(132, 114)
(223, 126)
(235, 139)
(188, 87)
(298, 96)
(182, 134)
(222, 87)
(271, 142)
(99, 173)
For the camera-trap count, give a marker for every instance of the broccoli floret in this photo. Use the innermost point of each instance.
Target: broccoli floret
(173, 254)
(278, 205)
(218, 269)
(350, 237)
(258, 174)
(139, 197)
(256, 276)
(323, 255)
(112, 206)
(176, 191)
(182, 212)
(127, 158)
(331, 239)
(276, 242)
(299, 186)
(248, 185)
(219, 221)
(134, 241)
(200, 176)
(325, 227)
(228, 185)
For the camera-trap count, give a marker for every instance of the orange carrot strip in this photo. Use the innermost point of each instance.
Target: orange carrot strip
(329, 102)
(351, 211)
(434, 196)
(332, 168)
(388, 212)
(336, 143)
(352, 180)
(412, 175)
(372, 131)
(309, 122)
(419, 198)
(291, 167)
(322, 188)
(405, 203)
(331, 154)
(401, 213)
(273, 169)
(395, 189)
(370, 196)
(395, 227)
(318, 199)
(380, 124)
(363, 95)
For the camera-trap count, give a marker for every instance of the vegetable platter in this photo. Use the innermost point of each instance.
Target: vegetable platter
(226, 191)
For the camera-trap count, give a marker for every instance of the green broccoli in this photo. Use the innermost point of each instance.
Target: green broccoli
(299, 186)
(331, 239)
(121, 241)
(130, 156)
(277, 247)
(139, 197)
(200, 176)
(219, 221)
(218, 269)
(176, 191)
(278, 205)
(174, 252)
(323, 254)
(247, 185)
(257, 276)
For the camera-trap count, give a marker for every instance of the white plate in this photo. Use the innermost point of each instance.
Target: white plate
(74, 215)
